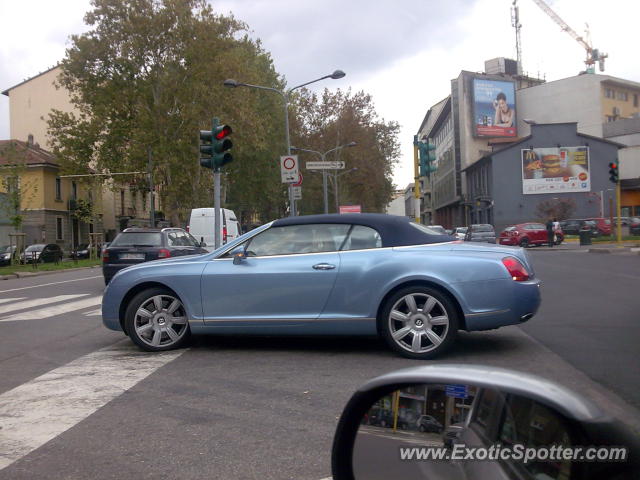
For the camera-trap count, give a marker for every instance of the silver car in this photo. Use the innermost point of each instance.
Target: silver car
(482, 232)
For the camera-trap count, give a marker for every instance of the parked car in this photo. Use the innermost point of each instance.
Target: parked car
(603, 225)
(528, 235)
(460, 232)
(42, 253)
(384, 418)
(5, 254)
(574, 226)
(426, 423)
(634, 226)
(202, 226)
(480, 233)
(451, 434)
(349, 274)
(138, 245)
(81, 251)
(438, 228)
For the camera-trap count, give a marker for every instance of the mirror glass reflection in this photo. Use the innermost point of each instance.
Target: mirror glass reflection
(427, 431)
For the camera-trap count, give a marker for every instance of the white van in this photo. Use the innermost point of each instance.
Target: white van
(202, 222)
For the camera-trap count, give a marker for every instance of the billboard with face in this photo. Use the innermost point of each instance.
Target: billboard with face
(555, 170)
(494, 108)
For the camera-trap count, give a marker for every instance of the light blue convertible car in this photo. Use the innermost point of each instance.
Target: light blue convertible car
(353, 274)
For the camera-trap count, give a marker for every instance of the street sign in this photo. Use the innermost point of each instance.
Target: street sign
(456, 391)
(297, 193)
(324, 165)
(299, 182)
(289, 168)
(350, 209)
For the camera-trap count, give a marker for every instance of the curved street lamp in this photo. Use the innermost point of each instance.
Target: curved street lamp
(286, 94)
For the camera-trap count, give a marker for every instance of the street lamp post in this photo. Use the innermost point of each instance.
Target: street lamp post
(335, 186)
(231, 83)
(323, 157)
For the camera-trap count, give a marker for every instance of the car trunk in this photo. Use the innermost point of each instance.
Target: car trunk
(132, 254)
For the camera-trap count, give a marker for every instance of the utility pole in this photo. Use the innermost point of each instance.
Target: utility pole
(152, 199)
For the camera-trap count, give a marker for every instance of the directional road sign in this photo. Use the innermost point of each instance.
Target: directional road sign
(324, 165)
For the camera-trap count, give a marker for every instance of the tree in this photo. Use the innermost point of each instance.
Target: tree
(146, 78)
(325, 121)
(560, 209)
(19, 190)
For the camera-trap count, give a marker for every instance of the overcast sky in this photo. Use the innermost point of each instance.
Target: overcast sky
(403, 53)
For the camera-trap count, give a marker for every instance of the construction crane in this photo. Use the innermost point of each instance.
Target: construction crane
(593, 54)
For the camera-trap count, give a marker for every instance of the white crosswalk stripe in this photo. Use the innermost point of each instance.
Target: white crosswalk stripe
(94, 313)
(7, 300)
(37, 302)
(54, 310)
(40, 410)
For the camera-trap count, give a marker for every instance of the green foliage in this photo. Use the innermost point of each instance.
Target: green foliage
(337, 118)
(83, 211)
(147, 77)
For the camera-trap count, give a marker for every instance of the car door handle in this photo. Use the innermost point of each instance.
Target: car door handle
(324, 266)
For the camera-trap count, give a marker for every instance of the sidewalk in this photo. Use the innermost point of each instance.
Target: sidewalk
(596, 247)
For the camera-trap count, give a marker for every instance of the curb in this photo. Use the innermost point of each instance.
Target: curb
(38, 274)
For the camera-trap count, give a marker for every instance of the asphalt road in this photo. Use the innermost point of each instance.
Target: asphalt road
(81, 401)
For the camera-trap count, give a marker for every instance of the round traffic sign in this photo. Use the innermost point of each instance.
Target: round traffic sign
(299, 182)
(289, 163)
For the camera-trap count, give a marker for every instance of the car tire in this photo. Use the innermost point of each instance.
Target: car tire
(150, 320)
(408, 329)
(422, 428)
(524, 243)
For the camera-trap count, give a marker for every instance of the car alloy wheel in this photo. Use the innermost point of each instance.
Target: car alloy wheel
(524, 243)
(419, 322)
(156, 320)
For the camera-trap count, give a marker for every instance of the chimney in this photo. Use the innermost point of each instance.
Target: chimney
(30, 140)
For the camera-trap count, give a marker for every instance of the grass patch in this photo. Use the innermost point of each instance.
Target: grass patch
(47, 267)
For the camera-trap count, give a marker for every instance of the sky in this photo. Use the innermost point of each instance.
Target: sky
(403, 53)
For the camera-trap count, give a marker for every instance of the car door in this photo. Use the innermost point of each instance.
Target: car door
(286, 277)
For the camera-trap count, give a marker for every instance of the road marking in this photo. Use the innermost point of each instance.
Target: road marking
(7, 300)
(39, 301)
(52, 283)
(55, 310)
(40, 410)
(94, 313)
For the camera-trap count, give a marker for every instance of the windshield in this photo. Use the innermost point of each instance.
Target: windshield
(482, 228)
(131, 239)
(34, 248)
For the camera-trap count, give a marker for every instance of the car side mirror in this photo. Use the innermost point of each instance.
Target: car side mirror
(468, 421)
(238, 254)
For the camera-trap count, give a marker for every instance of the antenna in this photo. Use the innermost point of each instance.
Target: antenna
(515, 23)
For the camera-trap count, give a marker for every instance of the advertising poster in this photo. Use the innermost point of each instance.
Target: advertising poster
(494, 111)
(555, 170)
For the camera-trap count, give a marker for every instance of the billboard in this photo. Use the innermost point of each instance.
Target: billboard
(555, 170)
(494, 108)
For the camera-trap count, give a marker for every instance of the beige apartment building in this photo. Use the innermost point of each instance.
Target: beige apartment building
(30, 103)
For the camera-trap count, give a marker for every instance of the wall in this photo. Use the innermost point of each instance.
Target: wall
(32, 102)
(573, 99)
(629, 162)
(511, 206)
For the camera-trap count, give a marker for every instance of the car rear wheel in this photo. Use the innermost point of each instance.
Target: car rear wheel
(156, 320)
(419, 322)
(524, 243)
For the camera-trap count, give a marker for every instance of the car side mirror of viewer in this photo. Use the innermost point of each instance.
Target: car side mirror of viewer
(476, 422)
(238, 254)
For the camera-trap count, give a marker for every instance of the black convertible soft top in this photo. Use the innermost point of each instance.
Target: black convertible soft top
(394, 230)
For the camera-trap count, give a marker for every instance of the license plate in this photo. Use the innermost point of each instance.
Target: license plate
(132, 256)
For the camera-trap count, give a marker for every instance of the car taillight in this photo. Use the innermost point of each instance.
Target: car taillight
(517, 271)
(224, 234)
(105, 256)
(187, 228)
(164, 253)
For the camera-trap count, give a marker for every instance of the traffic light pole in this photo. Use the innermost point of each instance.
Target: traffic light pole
(216, 206)
(152, 202)
(618, 209)
(416, 179)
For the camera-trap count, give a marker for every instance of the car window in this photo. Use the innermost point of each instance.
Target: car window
(178, 239)
(532, 424)
(296, 239)
(482, 228)
(129, 239)
(362, 238)
(536, 226)
(427, 229)
(192, 239)
(34, 248)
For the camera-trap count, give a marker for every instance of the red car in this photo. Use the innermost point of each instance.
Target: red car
(528, 235)
(603, 225)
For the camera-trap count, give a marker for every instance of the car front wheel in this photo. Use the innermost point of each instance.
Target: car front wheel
(156, 320)
(524, 243)
(419, 322)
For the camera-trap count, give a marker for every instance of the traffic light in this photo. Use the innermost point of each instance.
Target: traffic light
(613, 171)
(215, 146)
(426, 158)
